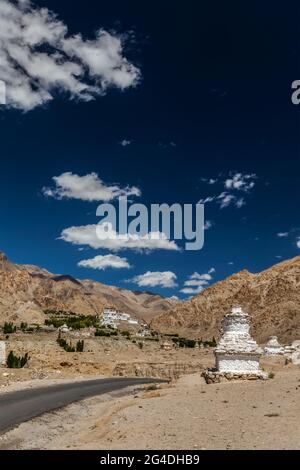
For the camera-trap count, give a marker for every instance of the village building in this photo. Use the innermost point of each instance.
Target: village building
(111, 317)
(237, 355)
(64, 329)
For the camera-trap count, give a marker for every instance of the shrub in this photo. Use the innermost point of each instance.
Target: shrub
(80, 346)
(271, 375)
(210, 344)
(140, 345)
(125, 333)
(63, 344)
(76, 322)
(102, 333)
(9, 328)
(16, 362)
(24, 326)
(184, 343)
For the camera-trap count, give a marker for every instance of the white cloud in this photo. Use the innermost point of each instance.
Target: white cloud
(39, 58)
(103, 236)
(209, 180)
(104, 262)
(225, 199)
(298, 243)
(165, 279)
(208, 224)
(192, 291)
(234, 184)
(86, 188)
(282, 234)
(240, 182)
(125, 142)
(197, 282)
(207, 199)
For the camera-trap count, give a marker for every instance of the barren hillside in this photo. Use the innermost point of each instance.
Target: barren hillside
(26, 291)
(272, 297)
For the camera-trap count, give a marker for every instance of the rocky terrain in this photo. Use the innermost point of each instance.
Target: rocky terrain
(26, 291)
(271, 297)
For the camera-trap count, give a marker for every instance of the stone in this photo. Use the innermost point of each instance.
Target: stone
(2, 353)
(273, 347)
(295, 358)
(296, 344)
(237, 355)
(166, 346)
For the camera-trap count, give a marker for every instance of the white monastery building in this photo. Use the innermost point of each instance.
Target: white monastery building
(112, 317)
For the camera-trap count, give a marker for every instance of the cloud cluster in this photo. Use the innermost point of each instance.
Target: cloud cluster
(105, 237)
(125, 142)
(282, 234)
(235, 188)
(197, 282)
(39, 58)
(298, 242)
(103, 262)
(166, 279)
(86, 188)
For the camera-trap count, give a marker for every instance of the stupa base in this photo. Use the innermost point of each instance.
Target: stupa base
(214, 376)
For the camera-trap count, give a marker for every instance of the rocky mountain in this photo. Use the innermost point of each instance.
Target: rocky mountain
(26, 291)
(271, 297)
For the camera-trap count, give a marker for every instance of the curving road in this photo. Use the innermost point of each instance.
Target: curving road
(20, 406)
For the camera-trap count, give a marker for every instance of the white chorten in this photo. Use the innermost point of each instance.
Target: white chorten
(2, 353)
(237, 352)
(273, 347)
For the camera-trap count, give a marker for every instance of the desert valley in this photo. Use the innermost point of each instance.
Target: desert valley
(67, 331)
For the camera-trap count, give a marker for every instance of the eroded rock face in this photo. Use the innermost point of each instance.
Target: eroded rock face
(165, 370)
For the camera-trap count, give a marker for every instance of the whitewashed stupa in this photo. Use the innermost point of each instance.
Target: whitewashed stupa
(273, 347)
(237, 354)
(2, 353)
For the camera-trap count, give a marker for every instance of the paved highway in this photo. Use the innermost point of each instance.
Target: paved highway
(20, 406)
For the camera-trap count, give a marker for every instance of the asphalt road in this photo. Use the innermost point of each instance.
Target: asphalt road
(20, 406)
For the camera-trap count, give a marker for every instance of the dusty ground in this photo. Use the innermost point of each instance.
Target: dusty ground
(187, 415)
(101, 356)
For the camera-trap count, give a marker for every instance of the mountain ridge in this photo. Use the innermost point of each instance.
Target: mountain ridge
(271, 297)
(27, 291)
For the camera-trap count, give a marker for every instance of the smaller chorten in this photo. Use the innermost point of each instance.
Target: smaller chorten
(273, 347)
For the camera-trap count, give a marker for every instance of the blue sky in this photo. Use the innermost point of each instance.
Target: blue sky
(208, 97)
